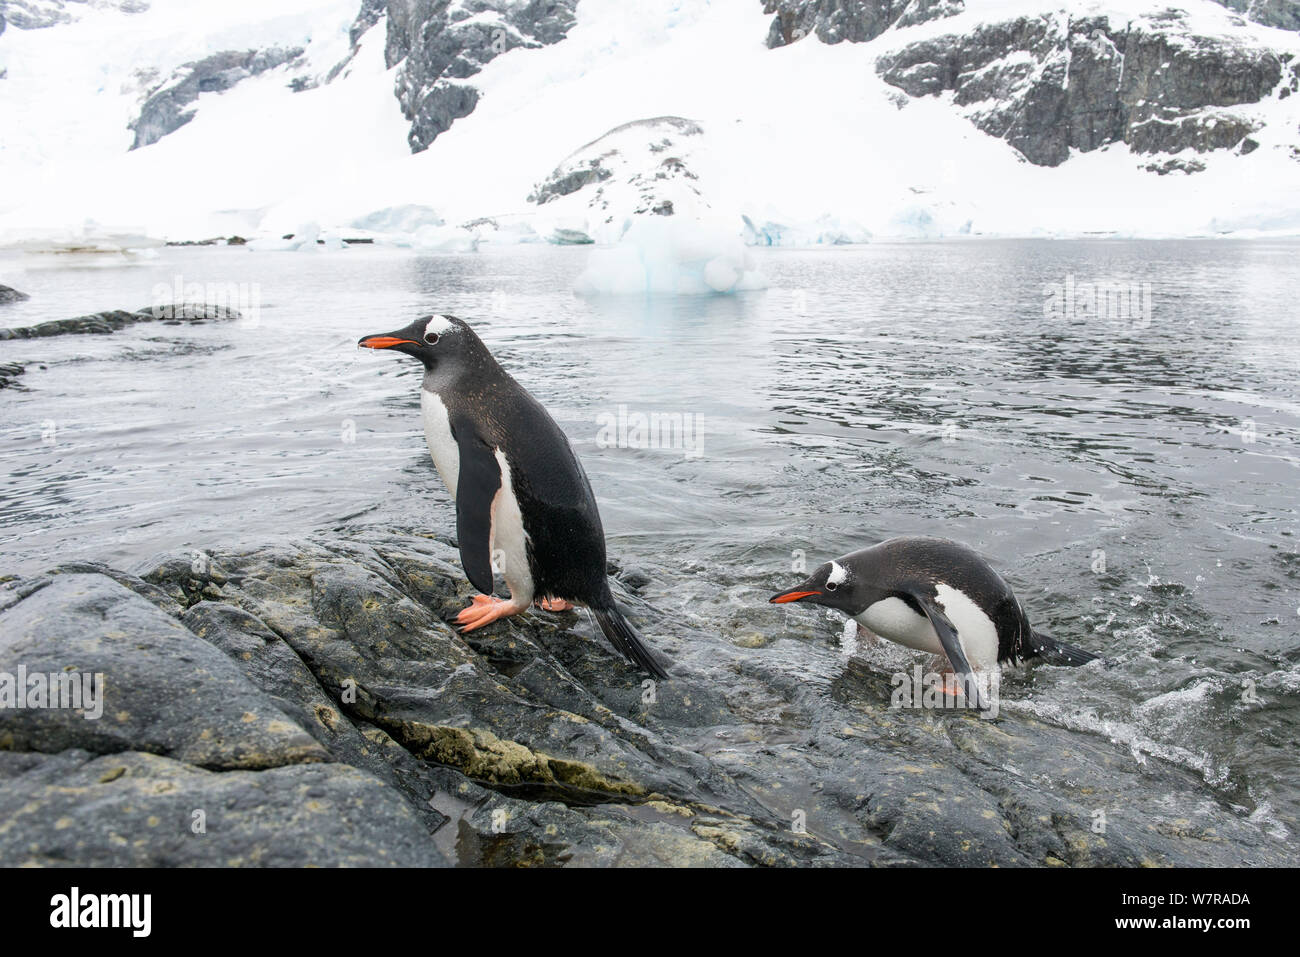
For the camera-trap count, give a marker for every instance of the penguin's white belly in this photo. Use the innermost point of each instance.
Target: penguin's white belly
(894, 620)
(509, 540)
(442, 446)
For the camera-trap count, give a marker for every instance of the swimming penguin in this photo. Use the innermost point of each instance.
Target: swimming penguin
(522, 498)
(934, 595)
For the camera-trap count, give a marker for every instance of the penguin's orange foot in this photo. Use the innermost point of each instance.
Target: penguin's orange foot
(952, 685)
(554, 604)
(484, 609)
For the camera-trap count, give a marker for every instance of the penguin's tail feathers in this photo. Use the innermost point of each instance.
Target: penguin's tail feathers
(620, 633)
(1055, 652)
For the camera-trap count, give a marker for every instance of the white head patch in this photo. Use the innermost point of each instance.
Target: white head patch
(837, 575)
(439, 325)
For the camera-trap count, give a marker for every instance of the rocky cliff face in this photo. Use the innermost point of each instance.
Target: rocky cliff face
(857, 21)
(1050, 84)
(1284, 14)
(1055, 82)
(442, 43)
(38, 14)
(170, 104)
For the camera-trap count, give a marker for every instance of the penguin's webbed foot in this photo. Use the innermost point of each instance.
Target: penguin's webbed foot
(485, 609)
(952, 685)
(554, 604)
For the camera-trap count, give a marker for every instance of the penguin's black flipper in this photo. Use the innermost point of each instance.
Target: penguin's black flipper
(947, 633)
(1058, 652)
(480, 478)
(620, 633)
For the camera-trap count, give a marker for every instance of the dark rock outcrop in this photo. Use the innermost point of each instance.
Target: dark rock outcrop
(9, 373)
(1284, 14)
(1048, 85)
(857, 21)
(39, 14)
(9, 294)
(442, 43)
(371, 12)
(170, 104)
(102, 323)
(308, 703)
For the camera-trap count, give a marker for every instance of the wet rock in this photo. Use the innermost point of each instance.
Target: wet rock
(144, 810)
(9, 373)
(323, 678)
(9, 294)
(170, 104)
(160, 689)
(103, 323)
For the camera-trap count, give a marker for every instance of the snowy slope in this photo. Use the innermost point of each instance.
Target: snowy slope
(792, 138)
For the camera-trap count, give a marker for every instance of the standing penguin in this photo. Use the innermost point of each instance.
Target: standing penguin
(934, 595)
(521, 494)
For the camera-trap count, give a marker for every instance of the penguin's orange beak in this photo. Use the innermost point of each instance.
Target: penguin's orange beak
(787, 596)
(384, 342)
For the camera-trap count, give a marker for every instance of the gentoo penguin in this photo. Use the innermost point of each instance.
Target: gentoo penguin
(522, 499)
(934, 595)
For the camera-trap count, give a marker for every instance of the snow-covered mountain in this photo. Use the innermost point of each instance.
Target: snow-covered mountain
(445, 123)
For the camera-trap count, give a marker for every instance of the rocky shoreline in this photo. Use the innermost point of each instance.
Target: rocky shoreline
(306, 702)
(112, 320)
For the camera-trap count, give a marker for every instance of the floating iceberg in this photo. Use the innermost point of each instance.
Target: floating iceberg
(671, 256)
(398, 219)
(441, 239)
(824, 231)
(301, 239)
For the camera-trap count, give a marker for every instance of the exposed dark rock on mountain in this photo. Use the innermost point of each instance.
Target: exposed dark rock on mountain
(371, 12)
(311, 701)
(1050, 83)
(858, 21)
(834, 21)
(649, 158)
(9, 294)
(1047, 85)
(441, 43)
(1272, 13)
(102, 323)
(39, 14)
(170, 103)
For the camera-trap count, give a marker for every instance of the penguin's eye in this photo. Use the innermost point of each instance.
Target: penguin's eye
(831, 586)
(431, 338)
